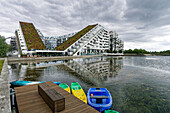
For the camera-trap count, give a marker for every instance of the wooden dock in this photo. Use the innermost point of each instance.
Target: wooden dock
(29, 101)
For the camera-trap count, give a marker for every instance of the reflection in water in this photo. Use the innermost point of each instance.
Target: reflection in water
(93, 70)
(30, 71)
(96, 70)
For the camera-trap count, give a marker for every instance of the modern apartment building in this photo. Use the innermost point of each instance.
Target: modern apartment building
(52, 42)
(13, 42)
(92, 40)
(115, 43)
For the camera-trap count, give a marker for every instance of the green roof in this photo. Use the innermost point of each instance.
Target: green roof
(31, 36)
(74, 38)
(1, 65)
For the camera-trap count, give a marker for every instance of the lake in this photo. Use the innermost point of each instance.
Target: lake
(137, 84)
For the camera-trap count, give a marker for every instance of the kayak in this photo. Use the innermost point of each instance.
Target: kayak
(78, 92)
(65, 87)
(99, 98)
(110, 111)
(57, 83)
(24, 83)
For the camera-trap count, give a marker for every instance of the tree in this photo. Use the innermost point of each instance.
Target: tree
(136, 51)
(10, 48)
(3, 47)
(120, 51)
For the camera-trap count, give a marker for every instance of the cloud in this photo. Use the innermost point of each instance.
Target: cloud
(140, 23)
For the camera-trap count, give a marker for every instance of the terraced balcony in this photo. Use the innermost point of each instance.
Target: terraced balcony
(33, 40)
(77, 44)
(19, 46)
(85, 40)
(74, 38)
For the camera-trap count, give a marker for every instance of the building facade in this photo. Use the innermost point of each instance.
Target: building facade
(115, 43)
(52, 42)
(92, 40)
(95, 41)
(13, 42)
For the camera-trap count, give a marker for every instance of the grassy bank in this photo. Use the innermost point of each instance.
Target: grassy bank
(133, 54)
(1, 65)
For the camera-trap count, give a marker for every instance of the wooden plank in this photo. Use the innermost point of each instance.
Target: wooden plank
(26, 88)
(29, 101)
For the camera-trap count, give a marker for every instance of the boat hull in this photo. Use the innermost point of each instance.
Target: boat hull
(78, 92)
(24, 83)
(101, 109)
(110, 111)
(65, 87)
(99, 98)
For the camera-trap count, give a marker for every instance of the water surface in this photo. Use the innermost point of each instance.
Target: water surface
(137, 84)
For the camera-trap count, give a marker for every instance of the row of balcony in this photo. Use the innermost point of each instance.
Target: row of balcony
(80, 42)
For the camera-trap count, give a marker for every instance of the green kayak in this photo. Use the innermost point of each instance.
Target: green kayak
(65, 87)
(110, 111)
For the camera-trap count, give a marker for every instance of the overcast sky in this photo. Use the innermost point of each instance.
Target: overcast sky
(140, 23)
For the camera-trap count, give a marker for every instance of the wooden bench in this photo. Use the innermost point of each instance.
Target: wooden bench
(52, 98)
(102, 97)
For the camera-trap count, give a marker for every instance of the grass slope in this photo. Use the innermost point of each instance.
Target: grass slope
(31, 36)
(1, 65)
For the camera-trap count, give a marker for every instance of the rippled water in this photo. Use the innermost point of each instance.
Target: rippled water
(137, 84)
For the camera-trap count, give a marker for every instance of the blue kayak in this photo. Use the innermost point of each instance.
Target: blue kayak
(99, 98)
(24, 83)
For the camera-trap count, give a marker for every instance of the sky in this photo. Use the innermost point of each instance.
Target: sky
(139, 23)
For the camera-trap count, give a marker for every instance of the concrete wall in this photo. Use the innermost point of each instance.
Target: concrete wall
(5, 106)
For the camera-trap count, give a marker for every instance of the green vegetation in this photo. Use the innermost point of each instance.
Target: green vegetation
(74, 38)
(3, 47)
(136, 51)
(31, 36)
(143, 51)
(167, 52)
(1, 65)
(109, 51)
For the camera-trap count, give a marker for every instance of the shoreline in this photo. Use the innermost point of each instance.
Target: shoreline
(37, 59)
(138, 55)
(146, 55)
(5, 89)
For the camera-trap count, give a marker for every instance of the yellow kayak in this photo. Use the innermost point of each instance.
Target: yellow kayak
(65, 87)
(78, 92)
